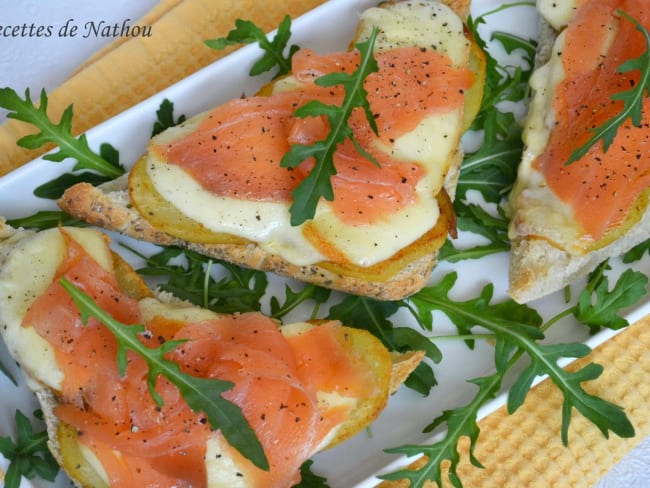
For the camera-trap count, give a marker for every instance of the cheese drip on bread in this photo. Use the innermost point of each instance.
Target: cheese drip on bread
(336, 233)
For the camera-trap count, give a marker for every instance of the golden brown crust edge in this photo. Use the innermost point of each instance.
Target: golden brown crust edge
(92, 205)
(538, 268)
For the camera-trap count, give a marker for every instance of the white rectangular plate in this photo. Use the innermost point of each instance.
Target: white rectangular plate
(355, 463)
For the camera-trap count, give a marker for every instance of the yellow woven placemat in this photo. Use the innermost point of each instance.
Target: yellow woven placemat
(525, 450)
(519, 450)
(129, 71)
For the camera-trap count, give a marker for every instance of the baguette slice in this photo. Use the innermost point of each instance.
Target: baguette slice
(143, 213)
(550, 248)
(26, 270)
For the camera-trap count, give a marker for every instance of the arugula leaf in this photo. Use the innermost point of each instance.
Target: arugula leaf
(517, 327)
(468, 314)
(54, 189)
(201, 394)
(241, 290)
(502, 83)
(518, 330)
(460, 422)
(475, 219)
(317, 184)
(294, 299)
(637, 252)
(633, 98)
(308, 479)
(59, 134)
(246, 32)
(493, 168)
(165, 117)
(46, 219)
(598, 306)
(29, 456)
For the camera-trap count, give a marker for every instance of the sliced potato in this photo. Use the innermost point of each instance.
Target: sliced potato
(164, 216)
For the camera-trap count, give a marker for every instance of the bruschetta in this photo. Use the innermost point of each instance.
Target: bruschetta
(301, 387)
(214, 184)
(569, 215)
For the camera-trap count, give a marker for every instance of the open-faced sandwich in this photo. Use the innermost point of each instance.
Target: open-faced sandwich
(300, 387)
(581, 194)
(215, 183)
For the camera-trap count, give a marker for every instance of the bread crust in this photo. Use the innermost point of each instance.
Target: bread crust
(538, 268)
(112, 211)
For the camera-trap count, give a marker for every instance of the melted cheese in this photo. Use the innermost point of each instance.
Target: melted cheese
(538, 210)
(432, 144)
(29, 264)
(558, 13)
(417, 23)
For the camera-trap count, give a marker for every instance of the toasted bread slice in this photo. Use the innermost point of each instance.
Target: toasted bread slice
(550, 249)
(18, 249)
(112, 210)
(145, 214)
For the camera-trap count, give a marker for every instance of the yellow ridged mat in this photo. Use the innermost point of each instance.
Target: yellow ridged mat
(525, 449)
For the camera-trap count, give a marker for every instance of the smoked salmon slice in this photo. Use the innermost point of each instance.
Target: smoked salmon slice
(601, 187)
(276, 378)
(237, 148)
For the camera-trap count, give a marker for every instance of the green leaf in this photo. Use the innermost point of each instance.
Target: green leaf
(54, 189)
(294, 299)
(475, 219)
(598, 306)
(317, 184)
(246, 32)
(633, 98)
(165, 118)
(511, 42)
(467, 314)
(517, 327)
(29, 456)
(59, 134)
(46, 219)
(460, 422)
(637, 252)
(308, 479)
(493, 168)
(240, 290)
(201, 394)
